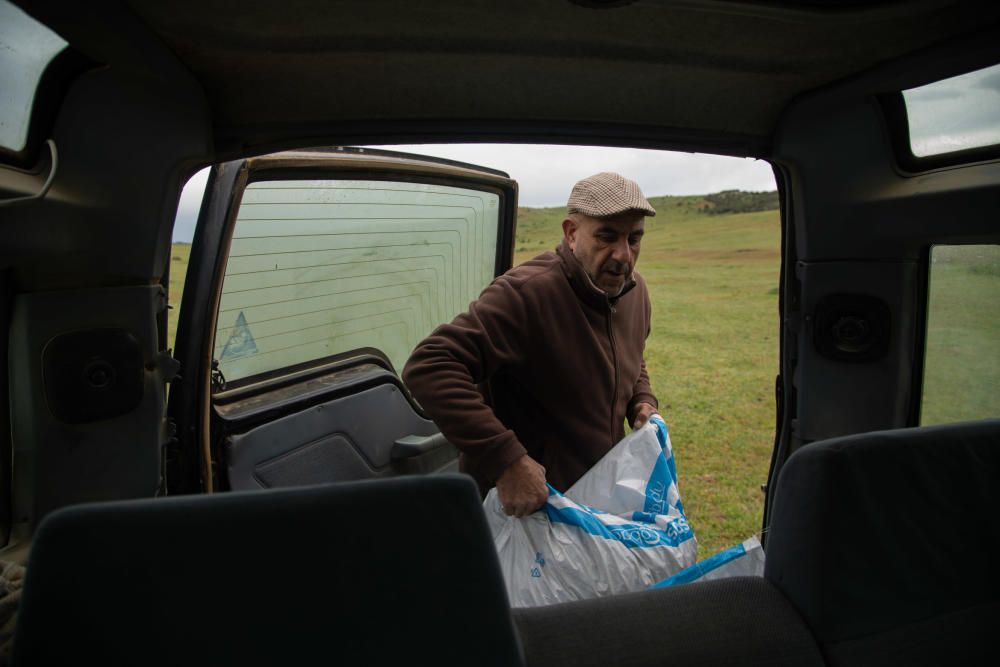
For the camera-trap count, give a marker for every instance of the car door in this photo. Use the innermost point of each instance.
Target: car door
(312, 276)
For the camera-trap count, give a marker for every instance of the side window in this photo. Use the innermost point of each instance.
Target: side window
(321, 267)
(26, 49)
(962, 358)
(954, 114)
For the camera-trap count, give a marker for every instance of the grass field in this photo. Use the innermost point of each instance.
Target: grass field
(962, 361)
(712, 355)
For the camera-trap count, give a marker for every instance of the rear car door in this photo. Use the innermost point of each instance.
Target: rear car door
(312, 276)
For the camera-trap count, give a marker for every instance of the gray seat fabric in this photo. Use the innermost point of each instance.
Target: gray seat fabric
(738, 621)
(399, 571)
(887, 544)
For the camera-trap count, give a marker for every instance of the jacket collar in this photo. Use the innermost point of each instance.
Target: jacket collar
(583, 286)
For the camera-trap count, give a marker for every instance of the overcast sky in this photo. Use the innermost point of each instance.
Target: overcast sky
(545, 174)
(956, 113)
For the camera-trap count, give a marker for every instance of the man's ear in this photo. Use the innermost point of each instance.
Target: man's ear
(570, 229)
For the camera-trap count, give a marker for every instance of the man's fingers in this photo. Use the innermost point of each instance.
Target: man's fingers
(522, 487)
(645, 411)
(523, 511)
(513, 510)
(523, 506)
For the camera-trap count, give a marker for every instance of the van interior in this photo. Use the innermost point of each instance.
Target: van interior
(173, 505)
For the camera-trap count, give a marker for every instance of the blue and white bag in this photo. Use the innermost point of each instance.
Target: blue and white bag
(620, 528)
(743, 560)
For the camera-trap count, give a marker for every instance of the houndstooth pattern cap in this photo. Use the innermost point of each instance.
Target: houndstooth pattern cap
(606, 194)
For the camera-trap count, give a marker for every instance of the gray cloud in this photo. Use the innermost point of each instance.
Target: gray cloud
(956, 113)
(546, 174)
(932, 93)
(990, 79)
(188, 207)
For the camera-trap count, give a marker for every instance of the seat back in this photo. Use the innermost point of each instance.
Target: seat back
(887, 543)
(735, 621)
(358, 573)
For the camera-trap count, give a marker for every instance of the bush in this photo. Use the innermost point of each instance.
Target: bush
(738, 201)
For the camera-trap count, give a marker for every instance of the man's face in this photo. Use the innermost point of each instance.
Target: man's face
(607, 247)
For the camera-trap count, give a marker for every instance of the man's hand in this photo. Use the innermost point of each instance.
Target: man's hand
(521, 487)
(643, 411)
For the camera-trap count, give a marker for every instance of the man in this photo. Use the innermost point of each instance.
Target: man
(533, 384)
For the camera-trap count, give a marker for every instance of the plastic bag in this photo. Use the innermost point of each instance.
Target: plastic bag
(620, 528)
(743, 560)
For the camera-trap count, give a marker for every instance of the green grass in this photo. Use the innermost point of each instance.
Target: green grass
(178, 268)
(712, 354)
(962, 360)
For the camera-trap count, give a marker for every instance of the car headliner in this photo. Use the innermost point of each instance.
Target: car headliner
(697, 74)
(182, 85)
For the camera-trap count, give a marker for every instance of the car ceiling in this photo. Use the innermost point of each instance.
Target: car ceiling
(698, 74)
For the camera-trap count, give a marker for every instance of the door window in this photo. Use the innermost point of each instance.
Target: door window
(962, 360)
(321, 267)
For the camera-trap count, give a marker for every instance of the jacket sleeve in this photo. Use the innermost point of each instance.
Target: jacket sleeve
(445, 368)
(642, 392)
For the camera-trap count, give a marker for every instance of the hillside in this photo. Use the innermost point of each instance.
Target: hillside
(713, 352)
(539, 229)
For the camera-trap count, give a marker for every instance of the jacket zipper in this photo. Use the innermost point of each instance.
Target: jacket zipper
(614, 359)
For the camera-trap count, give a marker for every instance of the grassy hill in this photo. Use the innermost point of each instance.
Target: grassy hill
(713, 352)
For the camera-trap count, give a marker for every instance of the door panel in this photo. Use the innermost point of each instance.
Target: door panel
(350, 436)
(330, 268)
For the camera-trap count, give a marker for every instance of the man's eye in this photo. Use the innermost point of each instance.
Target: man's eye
(634, 240)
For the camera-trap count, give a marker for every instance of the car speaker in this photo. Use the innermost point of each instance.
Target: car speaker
(851, 327)
(92, 375)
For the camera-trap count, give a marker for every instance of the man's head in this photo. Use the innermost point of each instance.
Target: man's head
(604, 227)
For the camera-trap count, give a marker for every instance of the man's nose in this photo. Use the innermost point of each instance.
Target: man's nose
(622, 252)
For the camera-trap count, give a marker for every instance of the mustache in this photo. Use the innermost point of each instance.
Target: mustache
(616, 267)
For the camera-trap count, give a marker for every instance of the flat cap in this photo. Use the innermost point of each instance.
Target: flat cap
(605, 194)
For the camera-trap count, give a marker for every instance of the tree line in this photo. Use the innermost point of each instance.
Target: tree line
(738, 201)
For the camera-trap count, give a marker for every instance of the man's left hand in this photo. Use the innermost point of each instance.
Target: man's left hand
(643, 411)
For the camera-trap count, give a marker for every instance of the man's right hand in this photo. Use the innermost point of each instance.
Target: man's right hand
(521, 487)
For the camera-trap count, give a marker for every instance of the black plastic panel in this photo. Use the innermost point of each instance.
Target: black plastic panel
(851, 327)
(112, 449)
(315, 463)
(92, 374)
(840, 392)
(346, 438)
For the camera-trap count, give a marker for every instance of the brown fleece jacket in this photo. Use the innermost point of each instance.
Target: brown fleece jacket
(544, 363)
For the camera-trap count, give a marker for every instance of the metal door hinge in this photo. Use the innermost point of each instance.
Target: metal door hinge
(218, 379)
